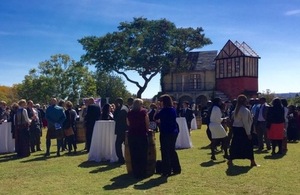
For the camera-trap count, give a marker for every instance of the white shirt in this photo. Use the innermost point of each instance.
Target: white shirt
(243, 119)
(260, 114)
(35, 112)
(215, 126)
(254, 109)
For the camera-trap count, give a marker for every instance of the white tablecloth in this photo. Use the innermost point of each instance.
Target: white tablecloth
(183, 139)
(103, 142)
(194, 123)
(7, 143)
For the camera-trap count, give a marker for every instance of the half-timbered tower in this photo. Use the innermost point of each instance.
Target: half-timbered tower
(237, 70)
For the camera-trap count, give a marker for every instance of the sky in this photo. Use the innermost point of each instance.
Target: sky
(31, 31)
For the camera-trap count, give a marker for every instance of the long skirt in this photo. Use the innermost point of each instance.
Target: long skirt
(22, 141)
(241, 147)
(292, 130)
(138, 146)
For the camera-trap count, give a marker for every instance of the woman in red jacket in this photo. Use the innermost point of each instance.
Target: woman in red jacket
(138, 125)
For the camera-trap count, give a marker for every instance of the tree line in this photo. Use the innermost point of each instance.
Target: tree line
(148, 47)
(64, 78)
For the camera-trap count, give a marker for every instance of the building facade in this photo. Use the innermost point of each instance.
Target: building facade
(232, 71)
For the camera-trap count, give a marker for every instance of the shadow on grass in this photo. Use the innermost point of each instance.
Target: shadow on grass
(8, 157)
(235, 170)
(126, 180)
(102, 166)
(151, 183)
(274, 157)
(211, 163)
(120, 182)
(41, 157)
(106, 167)
(205, 147)
(261, 152)
(78, 153)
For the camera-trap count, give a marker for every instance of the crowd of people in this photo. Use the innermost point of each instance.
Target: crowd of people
(59, 117)
(243, 125)
(238, 127)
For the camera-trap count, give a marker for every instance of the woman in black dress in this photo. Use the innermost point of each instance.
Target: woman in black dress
(107, 112)
(22, 122)
(241, 145)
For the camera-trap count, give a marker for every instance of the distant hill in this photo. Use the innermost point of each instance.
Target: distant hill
(287, 95)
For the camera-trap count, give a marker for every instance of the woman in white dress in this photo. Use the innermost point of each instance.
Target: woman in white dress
(218, 132)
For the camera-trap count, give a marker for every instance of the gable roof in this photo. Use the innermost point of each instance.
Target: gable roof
(246, 49)
(236, 49)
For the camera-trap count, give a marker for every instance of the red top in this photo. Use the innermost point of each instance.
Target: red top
(137, 122)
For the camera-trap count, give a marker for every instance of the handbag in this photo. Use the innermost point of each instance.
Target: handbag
(69, 131)
(152, 125)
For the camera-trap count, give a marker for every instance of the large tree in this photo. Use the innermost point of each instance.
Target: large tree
(111, 86)
(8, 94)
(145, 46)
(64, 78)
(60, 77)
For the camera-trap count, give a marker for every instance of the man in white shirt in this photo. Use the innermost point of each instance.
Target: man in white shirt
(261, 125)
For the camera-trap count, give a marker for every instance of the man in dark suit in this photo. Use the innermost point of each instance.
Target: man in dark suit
(187, 113)
(120, 116)
(92, 115)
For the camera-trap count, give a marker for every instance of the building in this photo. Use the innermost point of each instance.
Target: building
(232, 71)
(237, 70)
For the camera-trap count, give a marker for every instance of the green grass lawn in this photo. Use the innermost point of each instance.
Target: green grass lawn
(74, 175)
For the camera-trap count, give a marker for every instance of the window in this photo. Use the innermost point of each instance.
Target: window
(229, 68)
(221, 69)
(237, 67)
(195, 81)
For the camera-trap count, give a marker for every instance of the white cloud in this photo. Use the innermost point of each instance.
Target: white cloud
(293, 12)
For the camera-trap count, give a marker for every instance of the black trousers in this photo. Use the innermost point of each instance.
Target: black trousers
(118, 144)
(89, 134)
(71, 142)
(170, 161)
(35, 137)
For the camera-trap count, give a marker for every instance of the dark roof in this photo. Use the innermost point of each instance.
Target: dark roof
(203, 60)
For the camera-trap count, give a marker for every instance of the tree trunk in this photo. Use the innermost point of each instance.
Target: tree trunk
(141, 91)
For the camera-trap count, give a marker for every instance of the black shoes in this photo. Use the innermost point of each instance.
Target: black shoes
(122, 161)
(165, 175)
